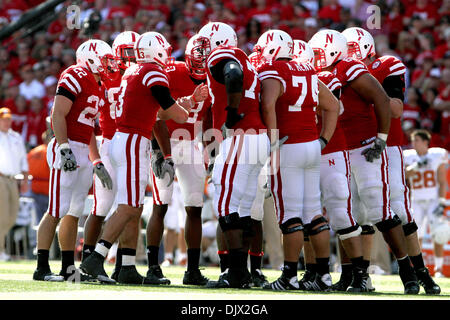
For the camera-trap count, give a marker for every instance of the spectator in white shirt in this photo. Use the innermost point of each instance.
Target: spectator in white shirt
(13, 161)
(30, 87)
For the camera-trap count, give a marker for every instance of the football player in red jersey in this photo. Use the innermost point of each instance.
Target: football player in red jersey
(103, 197)
(290, 94)
(366, 131)
(234, 89)
(336, 192)
(390, 72)
(186, 80)
(144, 94)
(72, 155)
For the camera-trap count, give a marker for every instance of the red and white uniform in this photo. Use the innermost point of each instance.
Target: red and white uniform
(295, 167)
(424, 184)
(186, 154)
(136, 113)
(103, 197)
(335, 172)
(241, 156)
(371, 179)
(68, 190)
(382, 68)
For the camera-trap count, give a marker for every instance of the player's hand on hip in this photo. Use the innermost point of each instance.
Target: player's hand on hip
(168, 167)
(103, 175)
(68, 161)
(375, 151)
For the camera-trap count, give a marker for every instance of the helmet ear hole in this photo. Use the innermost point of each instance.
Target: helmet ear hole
(271, 51)
(91, 61)
(218, 43)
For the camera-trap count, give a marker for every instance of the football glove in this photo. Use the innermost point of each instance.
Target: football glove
(68, 161)
(156, 161)
(375, 151)
(439, 210)
(168, 166)
(103, 175)
(323, 143)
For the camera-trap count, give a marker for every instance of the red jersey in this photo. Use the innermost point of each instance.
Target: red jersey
(137, 109)
(358, 120)
(296, 107)
(337, 141)
(107, 119)
(382, 68)
(182, 85)
(249, 104)
(89, 97)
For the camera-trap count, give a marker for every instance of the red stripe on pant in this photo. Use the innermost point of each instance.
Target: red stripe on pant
(232, 174)
(58, 178)
(272, 186)
(128, 157)
(156, 199)
(136, 167)
(406, 189)
(52, 179)
(280, 189)
(384, 180)
(348, 176)
(224, 175)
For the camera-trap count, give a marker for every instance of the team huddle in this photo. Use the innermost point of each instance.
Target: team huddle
(316, 125)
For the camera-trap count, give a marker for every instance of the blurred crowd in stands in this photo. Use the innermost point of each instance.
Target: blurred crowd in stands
(418, 32)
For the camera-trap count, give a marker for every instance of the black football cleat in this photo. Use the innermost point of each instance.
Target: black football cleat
(222, 279)
(194, 277)
(130, 275)
(115, 274)
(320, 283)
(409, 280)
(46, 275)
(239, 279)
(77, 276)
(360, 281)
(343, 283)
(427, 282)
(283, 283)
(258, 279)
(155, 276)
(307, 280)
(93, 266)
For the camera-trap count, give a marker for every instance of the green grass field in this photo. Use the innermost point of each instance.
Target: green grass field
(16, 283)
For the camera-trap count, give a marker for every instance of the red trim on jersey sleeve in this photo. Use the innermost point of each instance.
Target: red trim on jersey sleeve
(70, 83)
(269, 71)
(153, 78)
(350, 69)
(221, 53)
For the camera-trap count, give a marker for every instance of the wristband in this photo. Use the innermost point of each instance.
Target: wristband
(382, 136)
(96, 161)
(167, 156)
(324, 140)
(64, 146)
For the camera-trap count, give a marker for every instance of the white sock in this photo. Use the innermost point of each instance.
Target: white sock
(128, 260)
(438, 263)
(102, 250)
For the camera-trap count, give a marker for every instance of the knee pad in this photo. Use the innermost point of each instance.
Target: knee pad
(350, 232)
(230, 222)
(246, 225)
(286, 229)
(410, 228)
(367, 230)
(310, 226)
(388, 224)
